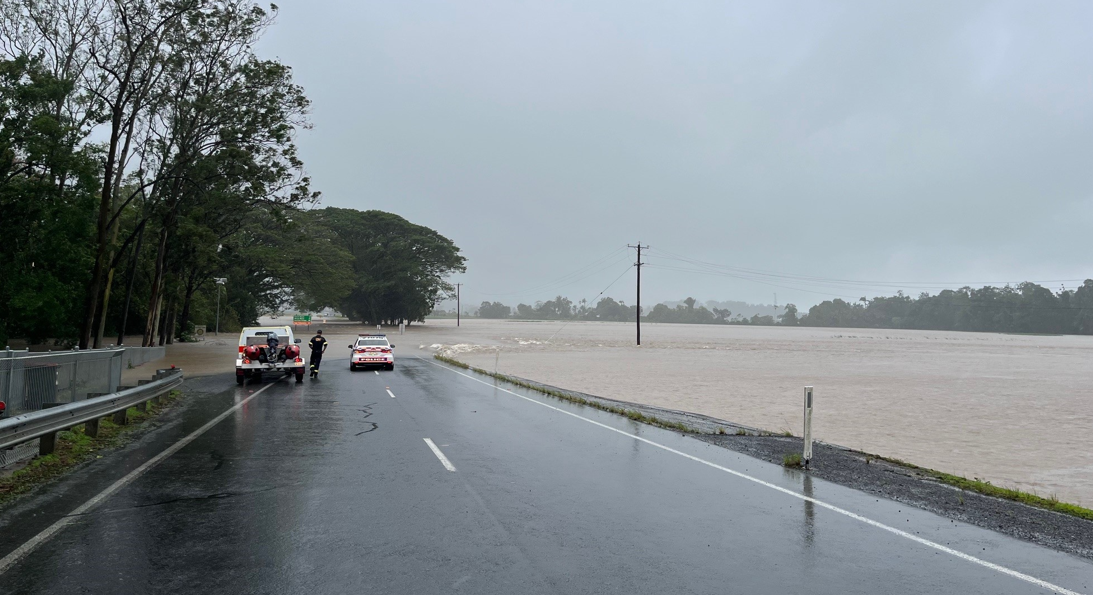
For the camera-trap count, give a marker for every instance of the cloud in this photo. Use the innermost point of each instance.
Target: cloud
(869, 140)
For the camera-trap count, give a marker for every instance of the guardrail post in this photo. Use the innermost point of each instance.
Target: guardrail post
(91, 427)
(120, 418)
(47, 444)
(75, 375)
(11, 379)
(142, 406)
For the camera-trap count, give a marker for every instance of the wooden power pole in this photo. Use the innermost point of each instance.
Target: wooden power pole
(638, 265)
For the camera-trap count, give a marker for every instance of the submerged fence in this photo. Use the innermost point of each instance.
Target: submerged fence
(32, 381)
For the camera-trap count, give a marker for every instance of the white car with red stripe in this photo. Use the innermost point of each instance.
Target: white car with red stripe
(372, 350)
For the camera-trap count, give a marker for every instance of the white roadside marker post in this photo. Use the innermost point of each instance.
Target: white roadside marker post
(808, 426)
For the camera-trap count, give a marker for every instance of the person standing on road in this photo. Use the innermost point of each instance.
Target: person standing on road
(318, 347)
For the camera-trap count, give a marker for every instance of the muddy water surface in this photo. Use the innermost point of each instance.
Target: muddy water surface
(1014, 410)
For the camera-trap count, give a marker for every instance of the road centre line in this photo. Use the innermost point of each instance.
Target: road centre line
(376, 372)
(7, 561)
(967, 557)
(443, 459)
(390, 393)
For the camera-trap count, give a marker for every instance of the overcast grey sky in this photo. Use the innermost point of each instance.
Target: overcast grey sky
(879, 141)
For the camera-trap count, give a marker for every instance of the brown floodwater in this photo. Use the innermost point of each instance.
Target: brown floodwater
(1016, 410)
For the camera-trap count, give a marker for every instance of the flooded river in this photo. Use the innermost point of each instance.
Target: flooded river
(1012, 409)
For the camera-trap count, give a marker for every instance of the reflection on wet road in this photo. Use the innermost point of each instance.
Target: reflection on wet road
(453, 485)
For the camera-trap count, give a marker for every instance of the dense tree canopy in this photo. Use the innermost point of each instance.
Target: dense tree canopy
(399, 269)
(1026, 308)
(146, 151)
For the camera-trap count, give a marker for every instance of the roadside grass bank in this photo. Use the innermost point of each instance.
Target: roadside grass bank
(74, 448)
(987, 488)
(632, 414)
(1047, 521)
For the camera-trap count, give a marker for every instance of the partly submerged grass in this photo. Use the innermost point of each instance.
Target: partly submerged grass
(794, 460)
(74, 447)
(631, 414)
(987, 488)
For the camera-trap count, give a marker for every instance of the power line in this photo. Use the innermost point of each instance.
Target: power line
(934, 304)
(570, 278)
(817, 280)
(626, 270)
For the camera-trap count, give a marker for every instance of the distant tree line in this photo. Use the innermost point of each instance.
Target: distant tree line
(1025, 308)
(607, 309)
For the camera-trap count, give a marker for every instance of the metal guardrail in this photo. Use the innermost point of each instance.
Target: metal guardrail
(32, 381)
(46, 423)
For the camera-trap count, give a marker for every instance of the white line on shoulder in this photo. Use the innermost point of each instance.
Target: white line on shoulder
(7, 561)
(926, 542)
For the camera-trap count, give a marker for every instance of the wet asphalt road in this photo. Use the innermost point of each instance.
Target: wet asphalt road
(330, 487)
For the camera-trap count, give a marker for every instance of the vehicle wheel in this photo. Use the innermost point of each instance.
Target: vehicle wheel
(390, 367)
(299, 377)
(352, 367)
(239, 379)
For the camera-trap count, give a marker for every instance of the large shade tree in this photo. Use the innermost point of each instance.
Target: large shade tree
(399, 268)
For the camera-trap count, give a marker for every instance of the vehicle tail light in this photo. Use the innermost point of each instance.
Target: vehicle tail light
(299, 360)
(386, 350)
(241, 348)
(246, 361)
(358, 350)
(3, 408)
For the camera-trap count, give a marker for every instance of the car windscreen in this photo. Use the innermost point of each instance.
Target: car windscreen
(371, 343)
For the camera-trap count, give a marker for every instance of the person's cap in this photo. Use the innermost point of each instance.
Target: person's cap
(318, 332)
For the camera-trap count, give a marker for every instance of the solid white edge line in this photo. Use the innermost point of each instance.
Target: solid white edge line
(391, 393)
(7, 561)
(967, 557)
(443, 459)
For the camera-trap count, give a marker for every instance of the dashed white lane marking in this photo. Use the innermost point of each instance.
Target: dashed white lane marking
(86, 507)
(390, 393)
(926, 542)
(376, 372)
(443, 459)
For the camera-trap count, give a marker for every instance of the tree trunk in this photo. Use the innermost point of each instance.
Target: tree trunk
(155, 301)
(101, 242)
(129, 288)
(117, 227)
(172, 316)
(187, 297)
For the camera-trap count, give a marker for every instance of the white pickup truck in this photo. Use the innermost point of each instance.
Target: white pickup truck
(268, 349)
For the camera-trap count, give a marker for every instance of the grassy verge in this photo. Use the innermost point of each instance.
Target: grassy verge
(971, 485)
(75, 447)
(989, 489)
(791, 460)
(631, 414)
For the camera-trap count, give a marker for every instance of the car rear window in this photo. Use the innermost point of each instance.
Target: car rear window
(371, 343)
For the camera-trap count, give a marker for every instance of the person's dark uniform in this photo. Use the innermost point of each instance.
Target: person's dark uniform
(318, 346)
